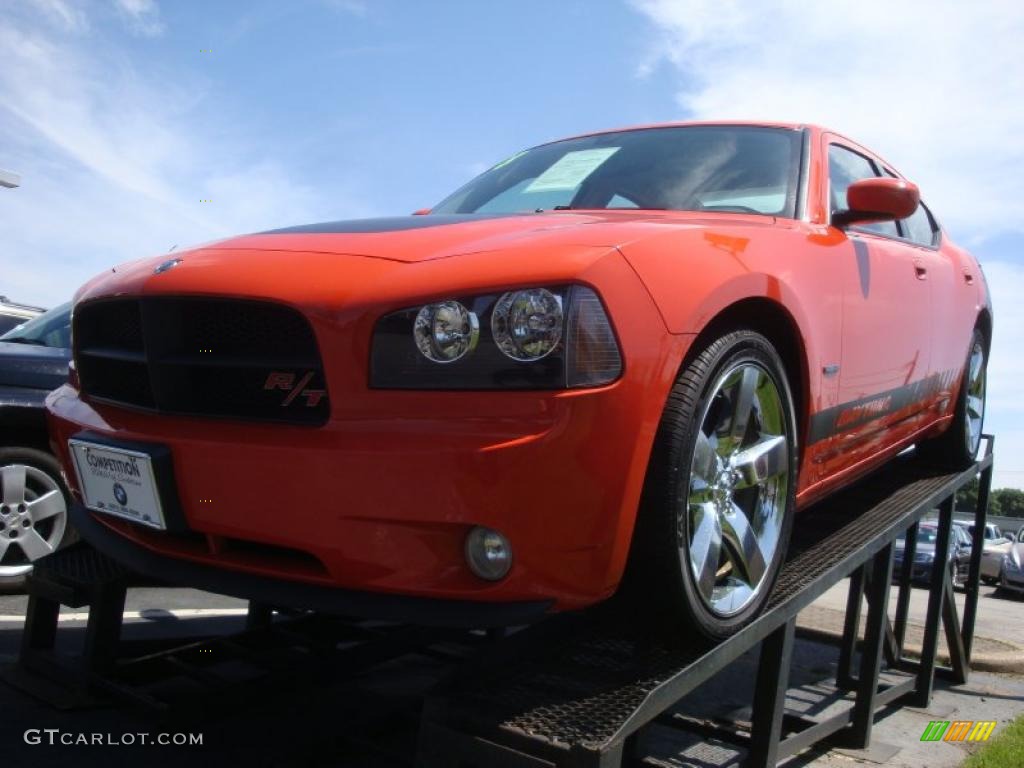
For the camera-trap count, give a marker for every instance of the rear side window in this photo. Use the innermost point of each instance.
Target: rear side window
(845, 167)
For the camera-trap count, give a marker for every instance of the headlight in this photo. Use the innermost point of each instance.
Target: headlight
(548, 337)
(1010, 564)
(527, 325)
(445, 332)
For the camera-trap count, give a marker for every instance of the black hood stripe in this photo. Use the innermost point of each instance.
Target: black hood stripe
(386, 224)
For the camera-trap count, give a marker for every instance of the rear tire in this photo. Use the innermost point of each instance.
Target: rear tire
(957, 447)
(717, 507)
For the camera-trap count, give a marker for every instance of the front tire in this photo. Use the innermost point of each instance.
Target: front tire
(717, 507)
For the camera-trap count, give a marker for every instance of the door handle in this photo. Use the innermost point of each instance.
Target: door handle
(920, 271)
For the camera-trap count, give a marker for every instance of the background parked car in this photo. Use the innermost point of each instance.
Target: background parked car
(995, 545)
(33, 496)
(924, 554)
(1011, 575)
(992, 533)
(13, 315)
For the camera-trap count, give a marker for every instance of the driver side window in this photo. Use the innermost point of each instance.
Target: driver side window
(845, 167)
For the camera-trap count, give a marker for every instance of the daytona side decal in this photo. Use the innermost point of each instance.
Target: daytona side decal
(832, 421)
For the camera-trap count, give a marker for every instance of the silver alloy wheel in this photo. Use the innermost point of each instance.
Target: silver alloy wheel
(33, 516)
(739, 486)
(975, 400)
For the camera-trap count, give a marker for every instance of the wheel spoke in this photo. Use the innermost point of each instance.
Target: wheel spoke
(977, 359)
(46, 506)
(975, 405)
(705, 460)
(706, 546)
(739, 536)
(4, 544)
(765, 459)
(13, 480)
(33, 545)
(743, 406)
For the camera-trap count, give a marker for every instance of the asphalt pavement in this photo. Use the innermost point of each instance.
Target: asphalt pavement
(296, 724)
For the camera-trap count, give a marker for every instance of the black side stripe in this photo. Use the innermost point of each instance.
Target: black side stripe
(832, 421)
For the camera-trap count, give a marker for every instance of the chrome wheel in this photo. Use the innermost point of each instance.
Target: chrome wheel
(975, 400)
(33, 516)
(740, 475)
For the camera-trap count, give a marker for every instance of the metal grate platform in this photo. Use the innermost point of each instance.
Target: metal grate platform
(592, 681)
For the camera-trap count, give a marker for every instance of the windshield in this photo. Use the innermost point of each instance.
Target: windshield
(50, 329)
(740, 169)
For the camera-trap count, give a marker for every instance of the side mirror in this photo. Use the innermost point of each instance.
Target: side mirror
(421, 212)
(878, 199)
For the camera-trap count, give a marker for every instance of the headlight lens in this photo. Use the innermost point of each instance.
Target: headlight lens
(548, 337)
(1010, 563)
(527, 325)
(445, 332)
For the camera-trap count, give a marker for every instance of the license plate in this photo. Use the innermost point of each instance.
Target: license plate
(118, 482)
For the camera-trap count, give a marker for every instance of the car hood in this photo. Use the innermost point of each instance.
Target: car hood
(337, 261)
(32, 366)
(438, 236)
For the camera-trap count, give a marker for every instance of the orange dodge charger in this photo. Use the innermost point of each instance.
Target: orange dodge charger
(633, 354)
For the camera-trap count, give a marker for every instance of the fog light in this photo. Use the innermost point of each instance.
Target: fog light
(488, 554)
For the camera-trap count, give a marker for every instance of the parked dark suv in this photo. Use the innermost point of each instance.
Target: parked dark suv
(12, 314)
(33, 496)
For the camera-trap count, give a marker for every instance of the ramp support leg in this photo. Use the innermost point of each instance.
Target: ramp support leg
(103, 632)
(977, 545)
(770, 696)
(875, 636)
(936, 597)
(848, 648)
(40, 631)
(906, 585)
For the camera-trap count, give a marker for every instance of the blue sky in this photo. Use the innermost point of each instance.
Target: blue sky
(125, 116)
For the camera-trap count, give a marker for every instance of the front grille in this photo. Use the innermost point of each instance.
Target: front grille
(204, 357)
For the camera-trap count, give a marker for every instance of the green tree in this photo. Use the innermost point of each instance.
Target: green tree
(1008, 502)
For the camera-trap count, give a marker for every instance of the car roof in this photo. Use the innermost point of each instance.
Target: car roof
(705, 123)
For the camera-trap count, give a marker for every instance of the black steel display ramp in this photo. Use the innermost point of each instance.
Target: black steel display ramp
(574, 690)
(578, 690)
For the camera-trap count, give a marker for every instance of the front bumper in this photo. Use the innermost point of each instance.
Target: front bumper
(385, 505)
(276, 592)
(1013, 580)
(920, 572)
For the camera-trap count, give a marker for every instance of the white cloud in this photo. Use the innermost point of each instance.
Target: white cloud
(937, 88)
(114, 164)
(63, 15)
(142, 17)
